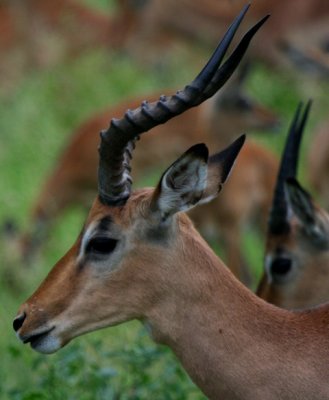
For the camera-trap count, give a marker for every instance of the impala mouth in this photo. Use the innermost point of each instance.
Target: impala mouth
(36, 336)
(43, 342)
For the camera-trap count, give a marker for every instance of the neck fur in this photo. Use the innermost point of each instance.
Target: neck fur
(231, 343)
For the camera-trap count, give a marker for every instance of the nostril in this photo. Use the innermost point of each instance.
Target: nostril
(18, 322)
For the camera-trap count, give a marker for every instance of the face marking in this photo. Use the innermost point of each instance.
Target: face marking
(99, 241)
(85, 239)
(101, 227)
(268, 262)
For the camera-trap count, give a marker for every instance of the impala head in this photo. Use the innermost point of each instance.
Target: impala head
(127, 257)
(299, 276)
(278, 259)
(236, 110)
(311, 62)
(296, 253)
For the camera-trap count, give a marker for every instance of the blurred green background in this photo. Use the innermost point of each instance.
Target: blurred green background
(37, 115)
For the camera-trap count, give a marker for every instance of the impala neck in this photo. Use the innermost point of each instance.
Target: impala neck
(232, 344)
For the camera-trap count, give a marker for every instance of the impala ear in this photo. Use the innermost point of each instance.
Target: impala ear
(183, 183)
(313, 223)
(192, 180)
(219, 168)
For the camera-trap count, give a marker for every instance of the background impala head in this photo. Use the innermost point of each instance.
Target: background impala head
(312, 227)
(277, 260)
(232, 110)
(296, 257)
(131, 244)
(300, 280)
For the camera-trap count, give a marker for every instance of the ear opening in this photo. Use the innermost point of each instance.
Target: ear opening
(182, 184)
(192, 180)
(300, 201)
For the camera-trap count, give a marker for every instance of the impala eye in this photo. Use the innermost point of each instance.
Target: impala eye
(280, 267)
(101, 245)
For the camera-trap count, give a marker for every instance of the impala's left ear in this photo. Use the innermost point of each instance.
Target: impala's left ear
(313, 222)
(192, 179)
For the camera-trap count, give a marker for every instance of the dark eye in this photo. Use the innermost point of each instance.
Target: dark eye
(101, 245)
(280, 267)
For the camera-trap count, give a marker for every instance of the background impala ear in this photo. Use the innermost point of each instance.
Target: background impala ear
(192, 180)
(312, 221)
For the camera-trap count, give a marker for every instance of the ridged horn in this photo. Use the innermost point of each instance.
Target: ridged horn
(278, 219)
(118, 141)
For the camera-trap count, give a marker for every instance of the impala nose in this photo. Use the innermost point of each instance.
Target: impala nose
(18, 321)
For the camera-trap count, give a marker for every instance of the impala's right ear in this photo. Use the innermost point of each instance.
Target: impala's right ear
(192, 179)
(219, 168)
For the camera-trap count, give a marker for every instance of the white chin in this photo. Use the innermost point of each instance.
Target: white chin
(46, 345)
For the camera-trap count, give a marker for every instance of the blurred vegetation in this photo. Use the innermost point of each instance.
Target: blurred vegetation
(36, 119)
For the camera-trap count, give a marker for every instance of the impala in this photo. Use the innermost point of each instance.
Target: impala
(297, 248)
(40, 32)
(74, 178)
(138, 256)
(299, 276)
(295, 33)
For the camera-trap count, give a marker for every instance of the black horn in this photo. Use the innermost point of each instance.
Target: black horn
(118, 141)
(278, 220)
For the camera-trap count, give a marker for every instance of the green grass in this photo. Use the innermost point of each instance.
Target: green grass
(36, 119)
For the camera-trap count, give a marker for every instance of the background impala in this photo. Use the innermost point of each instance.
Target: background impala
(297, 247)
(40, 33)
(298, 280)
(294, 37)
(36, 34)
